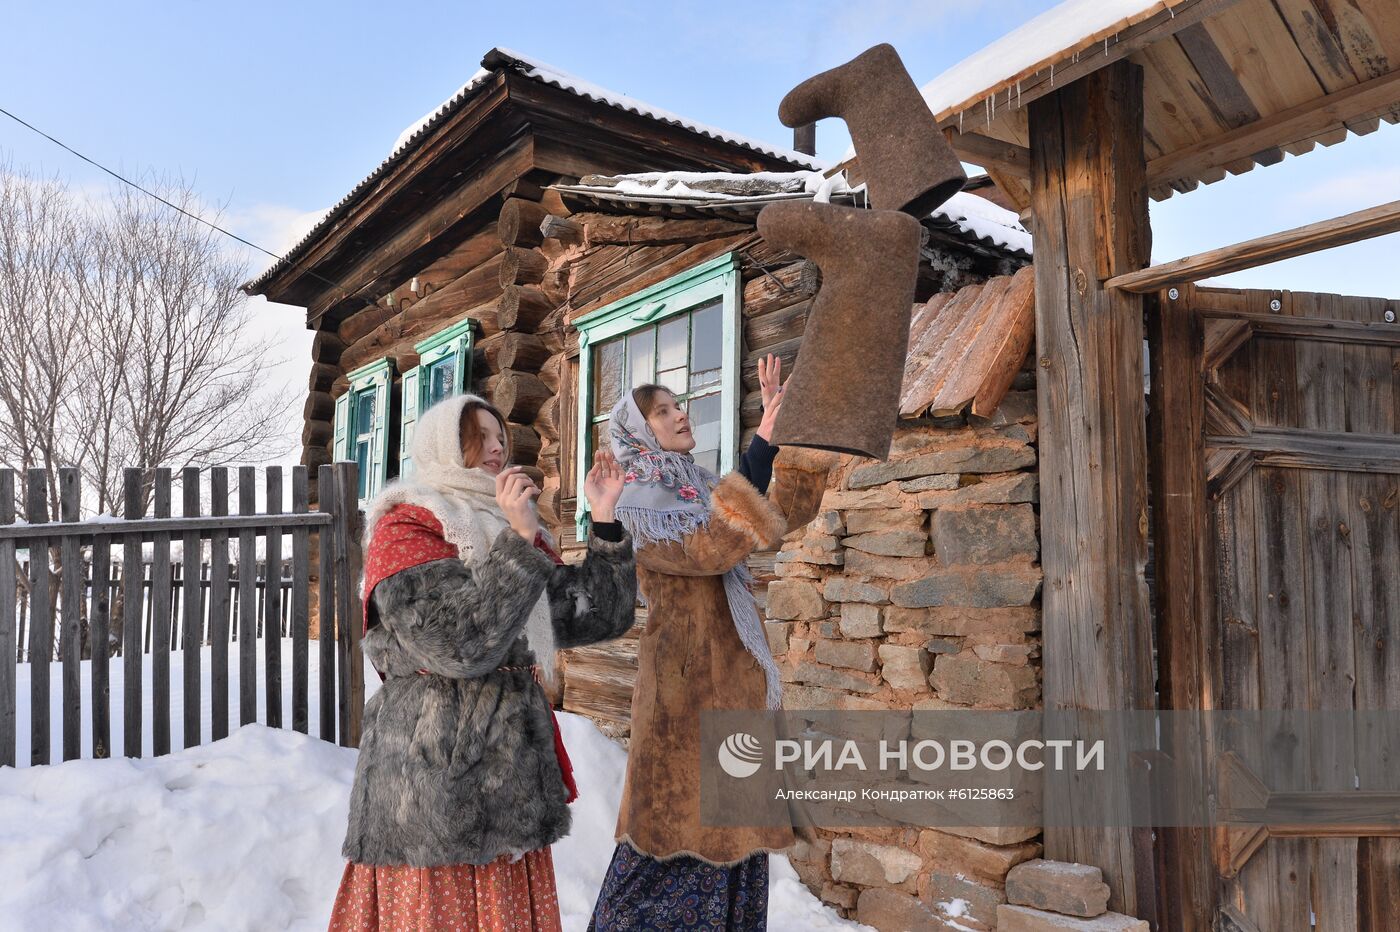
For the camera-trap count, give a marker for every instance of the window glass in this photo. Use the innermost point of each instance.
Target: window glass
(641, 357)
(608, 371)
(706, 346)
(705, 413)
(441, 376)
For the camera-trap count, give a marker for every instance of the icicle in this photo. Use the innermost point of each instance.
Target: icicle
(1018, 95)
(1052, 74)
(1105, 45)
(960, 116)
(1172, 12)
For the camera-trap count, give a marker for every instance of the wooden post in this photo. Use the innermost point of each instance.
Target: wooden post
(193, 607)
(1184, 592)
(8, 647)
(71, 640)
(133, 591)
(1089, 195)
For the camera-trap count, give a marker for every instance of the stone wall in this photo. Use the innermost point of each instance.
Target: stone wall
(918, 588)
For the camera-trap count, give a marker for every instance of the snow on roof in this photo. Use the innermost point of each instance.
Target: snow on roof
(971, 214)
(1064, 30)
(415, 132)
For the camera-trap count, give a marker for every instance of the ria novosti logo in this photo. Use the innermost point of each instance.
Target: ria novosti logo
(740, 755)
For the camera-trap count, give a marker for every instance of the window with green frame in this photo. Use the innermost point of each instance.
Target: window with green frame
(444, 368)
(682, 333)
(362, 425)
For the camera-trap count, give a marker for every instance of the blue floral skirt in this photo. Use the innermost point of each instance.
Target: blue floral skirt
(641, 893)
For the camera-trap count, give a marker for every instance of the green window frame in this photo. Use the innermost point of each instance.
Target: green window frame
(362, 425)
(695, 295)
(444, 368)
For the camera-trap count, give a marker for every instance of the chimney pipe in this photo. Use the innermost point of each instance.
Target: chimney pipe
(804, 139)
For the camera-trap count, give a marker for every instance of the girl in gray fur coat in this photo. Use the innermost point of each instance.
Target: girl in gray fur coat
(462, 782)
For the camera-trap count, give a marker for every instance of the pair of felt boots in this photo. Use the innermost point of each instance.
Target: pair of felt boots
(844, 390)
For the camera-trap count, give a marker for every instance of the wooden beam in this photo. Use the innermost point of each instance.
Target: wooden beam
(1007, 157)
(1299, 241)
(1089, 192)
(1297, 123)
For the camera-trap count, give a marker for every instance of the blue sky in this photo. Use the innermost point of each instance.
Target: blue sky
(275, 110)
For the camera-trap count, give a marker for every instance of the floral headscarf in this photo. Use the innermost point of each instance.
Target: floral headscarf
(666, 496)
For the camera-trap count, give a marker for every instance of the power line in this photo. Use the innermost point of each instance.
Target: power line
(147, 192)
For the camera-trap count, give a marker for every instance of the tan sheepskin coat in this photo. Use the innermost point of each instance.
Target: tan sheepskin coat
(691, 659)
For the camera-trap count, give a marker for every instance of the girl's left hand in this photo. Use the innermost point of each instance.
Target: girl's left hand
(603, 485)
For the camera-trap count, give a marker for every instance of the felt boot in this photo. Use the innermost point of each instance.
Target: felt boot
(907, 162)
(844, 391)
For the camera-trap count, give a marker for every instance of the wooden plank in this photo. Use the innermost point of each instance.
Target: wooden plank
(1371, 332)
(272, 604)
(301, 603)
(9, 653)
(160, 622)
(133, 507)
(247, 600)
(326, 686)
(1304, 121)
(99, 628)
(192, 598)
(1299, 241)
(1317, 449)
(36, 508)
(71, 639)
(1087, 159)
(219, 597)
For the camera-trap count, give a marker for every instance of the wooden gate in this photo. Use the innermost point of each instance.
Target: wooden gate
(1276, 474)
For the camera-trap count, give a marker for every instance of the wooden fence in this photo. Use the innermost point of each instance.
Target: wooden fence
(81, 588)
(175, 613)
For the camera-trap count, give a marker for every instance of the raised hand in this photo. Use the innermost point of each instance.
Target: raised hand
(770, 378)
(770, 372)
(603, 485)
(514, 493)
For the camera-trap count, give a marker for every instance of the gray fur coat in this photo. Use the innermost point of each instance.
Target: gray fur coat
(457, 766)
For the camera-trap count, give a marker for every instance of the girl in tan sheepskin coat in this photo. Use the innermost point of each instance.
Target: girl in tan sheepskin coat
(703, 649)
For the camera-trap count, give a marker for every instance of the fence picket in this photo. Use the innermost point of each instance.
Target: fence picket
(36, 509)
(349, 613)
(219, 620)
(160, 622)
(247, 601)
(300, 614)
(99, 636)
(133, 589)
(272, 603)
(193, 613)
(9, 656)
(325, 539)
(71, 599)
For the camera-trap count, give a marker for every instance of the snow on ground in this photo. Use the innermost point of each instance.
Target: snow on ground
(245, 833)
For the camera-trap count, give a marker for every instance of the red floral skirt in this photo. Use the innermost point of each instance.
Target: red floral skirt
(497, 897)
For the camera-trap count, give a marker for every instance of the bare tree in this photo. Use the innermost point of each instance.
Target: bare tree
(124, 339)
